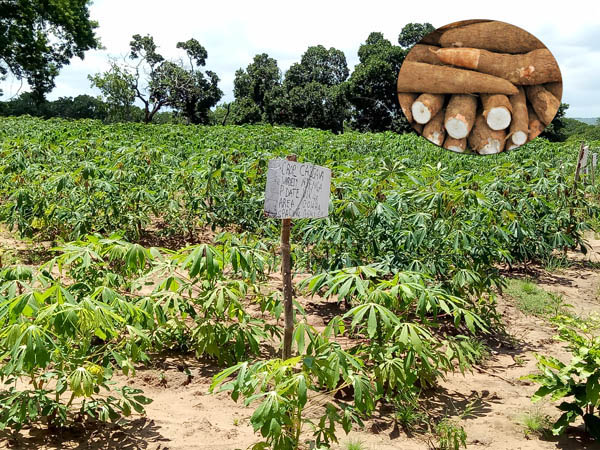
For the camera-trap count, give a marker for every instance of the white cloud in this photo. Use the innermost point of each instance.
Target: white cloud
(234, 31)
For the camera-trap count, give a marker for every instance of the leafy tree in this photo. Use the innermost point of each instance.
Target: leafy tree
(38, 37)
(117, 87)
(412, 33)
(122, 83)
(251, 89)
(80, 107)
(158, 83)
(190, 91)
(373, 86)
(314, 91)
(372, 89)
(555, 131)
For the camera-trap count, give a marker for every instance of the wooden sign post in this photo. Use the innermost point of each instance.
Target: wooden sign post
(294, 190)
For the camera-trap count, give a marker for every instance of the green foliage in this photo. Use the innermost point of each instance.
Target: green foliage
(253, 89)
(412, 33)
(313, 93)
(38, 38)
(535, 422)
(555, 131)
(185, 89)
(450, 435)
(575, 383)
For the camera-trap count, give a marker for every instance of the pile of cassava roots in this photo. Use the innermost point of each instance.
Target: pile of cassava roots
(484, 86)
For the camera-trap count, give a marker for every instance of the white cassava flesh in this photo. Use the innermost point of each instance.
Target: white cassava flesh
(426, 106)
(498, 118)
(493, 146)
(519, 138)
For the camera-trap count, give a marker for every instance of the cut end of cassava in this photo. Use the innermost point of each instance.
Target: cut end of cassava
(519, 138)
(498, 118)
(512, 146)
(457, 128)
(436, 138)
(420, 112)
(492, 147)
(455, 148)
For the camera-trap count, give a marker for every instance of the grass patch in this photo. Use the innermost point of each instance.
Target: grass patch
(535, 423)
(533, 300)
(355, 445)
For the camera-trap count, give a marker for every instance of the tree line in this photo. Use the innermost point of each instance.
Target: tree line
(37, 38)
(318, 91)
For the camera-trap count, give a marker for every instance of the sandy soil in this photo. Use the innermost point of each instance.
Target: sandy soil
(184, 416)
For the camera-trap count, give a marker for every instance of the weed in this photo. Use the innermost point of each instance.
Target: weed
(236, 422)
(557, 262)
(355, 445)
(519, 361)
(408, 415)
(534, 422)
(533, 300)
(450, 435)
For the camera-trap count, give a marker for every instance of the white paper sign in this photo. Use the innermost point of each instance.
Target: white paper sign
(297, 190)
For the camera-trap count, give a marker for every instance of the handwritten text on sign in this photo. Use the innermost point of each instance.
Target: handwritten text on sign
(297, 190)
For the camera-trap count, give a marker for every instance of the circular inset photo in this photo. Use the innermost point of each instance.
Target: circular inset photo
(479, 86)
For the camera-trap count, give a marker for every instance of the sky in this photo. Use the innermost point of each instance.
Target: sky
(234, 31)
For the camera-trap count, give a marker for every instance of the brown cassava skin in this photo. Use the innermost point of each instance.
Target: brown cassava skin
(425, 54)
(433, 38)
(421, 77)
(462, 107)
(435, 126)
(406, 100)
(535, 125)
(433, 102)
(536, 67)
(451, 142)
(418, 127)
(481, 134)
(494, 36)
(555, 89)
(520, 116)
(543, 102)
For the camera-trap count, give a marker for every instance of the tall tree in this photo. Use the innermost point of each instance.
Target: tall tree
(314, 91)
(251, 88)
(123, 83)
(158, 83)
(39, 37)
(372, 85)
(189, 90)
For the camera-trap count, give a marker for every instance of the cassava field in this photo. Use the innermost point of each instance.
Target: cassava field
(141, 306)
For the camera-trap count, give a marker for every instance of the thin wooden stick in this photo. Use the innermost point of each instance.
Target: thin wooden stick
(286, 272)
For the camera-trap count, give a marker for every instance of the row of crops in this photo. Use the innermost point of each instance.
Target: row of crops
(411, 250)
